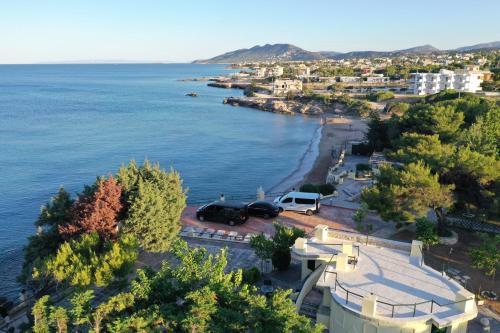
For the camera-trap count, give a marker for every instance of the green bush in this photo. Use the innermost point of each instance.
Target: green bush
(380, 96)
(281, 259)
(324, 189)
(397, 108)
(426, 232)
(251, 275)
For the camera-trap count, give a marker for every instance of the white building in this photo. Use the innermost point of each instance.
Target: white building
(276, 71)
(303, 71)
(460, 80)
(260, 72)
(349, 79)
(377, 285)
(282, 87)
(377, 79)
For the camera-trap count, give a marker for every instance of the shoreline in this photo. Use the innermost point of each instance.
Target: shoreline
(313, 166)
(305, 164)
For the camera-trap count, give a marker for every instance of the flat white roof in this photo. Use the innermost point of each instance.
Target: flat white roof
(388, 274)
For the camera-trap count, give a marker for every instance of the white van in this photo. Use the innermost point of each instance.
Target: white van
(304, 202)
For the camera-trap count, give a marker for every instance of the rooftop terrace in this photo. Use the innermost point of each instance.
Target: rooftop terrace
(394, 274)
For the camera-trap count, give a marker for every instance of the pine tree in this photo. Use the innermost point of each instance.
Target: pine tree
(156, 201)
(96, 212)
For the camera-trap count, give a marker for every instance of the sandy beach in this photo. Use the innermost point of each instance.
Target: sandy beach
(335, 132)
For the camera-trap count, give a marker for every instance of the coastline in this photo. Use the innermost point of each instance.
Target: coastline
(305, 164)
(317, 159)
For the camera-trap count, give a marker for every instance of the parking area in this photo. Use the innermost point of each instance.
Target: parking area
(333, 217)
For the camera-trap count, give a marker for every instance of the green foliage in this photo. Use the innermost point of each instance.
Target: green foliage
(407, 194)
(456, 137)
(398, 108)
(413, 147)
(53, 214)
(426, 232)
(156, 201)
(359, 216)
(251, 275)
(197, 295)
(487, 256)
(324, 189)
(40, 314)
(278, 247)
(89, 260)
(444, 121)
(380, 96)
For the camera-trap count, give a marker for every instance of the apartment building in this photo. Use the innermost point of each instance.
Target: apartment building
(464, 80)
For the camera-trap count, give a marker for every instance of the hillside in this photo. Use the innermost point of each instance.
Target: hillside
(268, 52)
(289, 52)
(483, 46)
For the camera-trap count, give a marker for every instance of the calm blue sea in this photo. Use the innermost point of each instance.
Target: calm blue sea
(66, 124)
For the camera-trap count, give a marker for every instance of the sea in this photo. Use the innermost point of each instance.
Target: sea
(64, 125)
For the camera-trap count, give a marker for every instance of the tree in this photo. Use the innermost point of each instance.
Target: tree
(53, 214)
(97, 212)
(360, 215)
(482, 136)
(414, 147)
(89, 260)
(197, 295)
(278, 247)
(426, 232)
(487, 256)
(156, 201)
(444, 121)
(40, 314)
(407, 194)
(59, 318)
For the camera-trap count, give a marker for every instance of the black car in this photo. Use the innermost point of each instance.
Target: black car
(263, 209)
(223, 211)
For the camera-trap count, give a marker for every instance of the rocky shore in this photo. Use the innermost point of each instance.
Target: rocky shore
(229, 85)
(280, 105)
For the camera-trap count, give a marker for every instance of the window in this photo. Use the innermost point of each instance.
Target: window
(305, 201)
(287, 200)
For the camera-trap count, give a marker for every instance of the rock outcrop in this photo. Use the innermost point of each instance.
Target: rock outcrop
(278, 105)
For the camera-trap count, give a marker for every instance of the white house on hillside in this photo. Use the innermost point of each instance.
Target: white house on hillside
(281, 87)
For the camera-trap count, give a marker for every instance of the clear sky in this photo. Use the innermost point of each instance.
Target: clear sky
(171, 30)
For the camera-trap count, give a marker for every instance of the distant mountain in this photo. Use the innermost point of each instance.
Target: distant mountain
(419, 49)
(289, 52)
(483, 46)
(268, 52)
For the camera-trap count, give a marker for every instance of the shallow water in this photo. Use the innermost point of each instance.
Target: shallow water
(66, 124)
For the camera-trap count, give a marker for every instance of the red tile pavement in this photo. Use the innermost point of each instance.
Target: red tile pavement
(334, 217)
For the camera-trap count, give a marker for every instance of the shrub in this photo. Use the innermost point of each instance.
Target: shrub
(251, 275)
(324, 189)
(380, 96)
(397, 108)
(281, 259)
(278, 247)
(426, 232)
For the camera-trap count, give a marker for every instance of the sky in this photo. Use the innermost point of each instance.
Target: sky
(181, 31)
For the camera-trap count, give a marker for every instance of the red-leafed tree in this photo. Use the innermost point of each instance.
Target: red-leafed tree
(97, 212)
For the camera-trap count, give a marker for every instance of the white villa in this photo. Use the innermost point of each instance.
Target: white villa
(276, 71)
(464, 80)
(303, 71)
(372, 285)
(281, 87)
